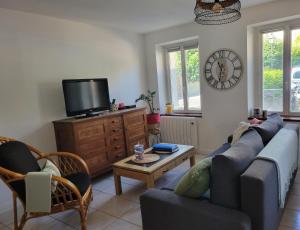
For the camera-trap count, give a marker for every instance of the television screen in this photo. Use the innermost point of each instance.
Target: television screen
(86, 96)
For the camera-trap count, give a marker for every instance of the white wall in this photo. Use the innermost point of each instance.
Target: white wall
(37, 52)
(222, 111)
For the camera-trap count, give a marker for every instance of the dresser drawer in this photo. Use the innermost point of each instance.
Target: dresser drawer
(92, 145)
(159, 173)
(117, 139)
(100, 153)
(134, 119)
(117, 148)
(117, 152)
(115, 122)
(116, 131)
(90, 131)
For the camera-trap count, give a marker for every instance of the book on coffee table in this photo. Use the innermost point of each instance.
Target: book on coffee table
(165, 148)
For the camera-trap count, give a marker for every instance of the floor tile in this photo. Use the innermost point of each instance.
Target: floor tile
(291, 218)
(122, 225)
(130, 181)
(133, 193)
(293, 202)
(96, 219)
(6, 213)
(100, 199)
(133, 216)
(118, 206)
(285, 228)
(108, 186)
(46, 223)
(296, 189)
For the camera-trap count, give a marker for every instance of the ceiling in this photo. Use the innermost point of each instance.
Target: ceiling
(140, 16)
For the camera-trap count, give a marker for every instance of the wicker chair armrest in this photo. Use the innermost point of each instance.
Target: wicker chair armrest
(65, 190)
(68, 163)
(10, 176)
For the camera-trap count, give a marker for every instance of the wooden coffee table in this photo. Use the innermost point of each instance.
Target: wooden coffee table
(149, 173)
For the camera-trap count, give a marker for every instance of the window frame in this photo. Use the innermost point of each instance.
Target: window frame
(182, 47)
(287, 65)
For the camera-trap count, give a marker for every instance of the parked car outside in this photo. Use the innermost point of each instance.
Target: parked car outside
(295, 81)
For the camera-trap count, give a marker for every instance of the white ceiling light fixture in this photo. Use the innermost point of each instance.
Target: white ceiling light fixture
(217, 12)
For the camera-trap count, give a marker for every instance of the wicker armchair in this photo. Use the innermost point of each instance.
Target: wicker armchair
(67, 194)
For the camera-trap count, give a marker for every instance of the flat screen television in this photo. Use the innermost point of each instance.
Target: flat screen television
(86, 96)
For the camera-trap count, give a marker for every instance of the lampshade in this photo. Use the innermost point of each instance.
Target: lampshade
(217, 12)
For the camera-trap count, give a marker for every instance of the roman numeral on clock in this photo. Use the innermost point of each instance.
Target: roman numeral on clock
(235, 59)
(215, 84)
(207, 70)
(223, 86)
(238, 68)
(215, 56)
(210, 79)
(222, 54)
(230, 83)
(235, 78)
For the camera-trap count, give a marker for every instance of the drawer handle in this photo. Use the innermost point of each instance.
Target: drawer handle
(117, 147)
(116, 138)
(167, 170)
(115, 130)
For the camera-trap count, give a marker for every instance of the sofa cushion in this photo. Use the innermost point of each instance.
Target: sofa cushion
(275, 118)
(196, 181)
(220, 150)
(229, 166)
(16, 156)
(252, 139)
(243, 127)
(267, 130)
(294, 127)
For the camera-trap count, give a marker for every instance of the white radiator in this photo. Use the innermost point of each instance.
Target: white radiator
(180, 130)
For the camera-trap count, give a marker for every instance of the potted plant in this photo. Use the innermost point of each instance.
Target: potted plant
(153, 117)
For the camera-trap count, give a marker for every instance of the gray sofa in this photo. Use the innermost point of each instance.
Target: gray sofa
(244, 193)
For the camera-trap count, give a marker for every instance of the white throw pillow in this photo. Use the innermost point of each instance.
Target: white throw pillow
(243, 127)
(54, 171)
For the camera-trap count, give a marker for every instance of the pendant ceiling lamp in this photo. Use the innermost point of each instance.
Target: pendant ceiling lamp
(217, 12)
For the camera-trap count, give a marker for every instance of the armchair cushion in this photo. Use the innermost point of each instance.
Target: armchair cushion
(15, 156)
(81, 180)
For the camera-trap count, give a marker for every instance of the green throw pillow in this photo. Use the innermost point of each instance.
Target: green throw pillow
(196, 181)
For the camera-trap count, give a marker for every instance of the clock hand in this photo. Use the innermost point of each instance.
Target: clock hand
(219, 65)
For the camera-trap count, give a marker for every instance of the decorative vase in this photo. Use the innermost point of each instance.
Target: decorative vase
(169, 108)
(153, 118)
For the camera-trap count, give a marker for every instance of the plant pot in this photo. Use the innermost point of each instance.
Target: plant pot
(153, 118)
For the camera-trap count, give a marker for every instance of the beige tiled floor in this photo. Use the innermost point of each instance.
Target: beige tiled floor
(110, 212)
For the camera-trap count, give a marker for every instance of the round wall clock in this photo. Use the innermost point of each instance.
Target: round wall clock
(223, 69)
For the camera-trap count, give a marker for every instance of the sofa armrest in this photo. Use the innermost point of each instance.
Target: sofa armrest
(259, 195)
(164, 210)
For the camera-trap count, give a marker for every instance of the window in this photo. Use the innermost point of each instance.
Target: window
(281, 71)
(184, 78)
(273, 71)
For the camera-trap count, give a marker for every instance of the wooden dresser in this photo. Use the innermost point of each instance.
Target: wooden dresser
(104, 139)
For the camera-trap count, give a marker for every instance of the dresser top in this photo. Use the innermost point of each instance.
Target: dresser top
(101, 115)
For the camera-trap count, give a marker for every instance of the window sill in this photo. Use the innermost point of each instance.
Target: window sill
(182, 115)
(285, 118)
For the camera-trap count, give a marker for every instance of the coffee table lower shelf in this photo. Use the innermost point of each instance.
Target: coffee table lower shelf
(150, 174)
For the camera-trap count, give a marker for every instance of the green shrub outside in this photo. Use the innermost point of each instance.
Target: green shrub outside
(273, 79)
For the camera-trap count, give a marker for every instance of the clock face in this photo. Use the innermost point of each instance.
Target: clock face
(223, 69)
